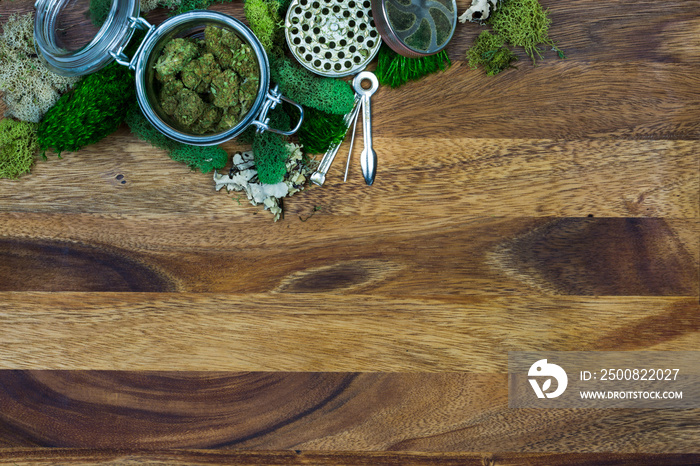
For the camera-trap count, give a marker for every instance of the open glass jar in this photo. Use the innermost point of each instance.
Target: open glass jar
(71, 45)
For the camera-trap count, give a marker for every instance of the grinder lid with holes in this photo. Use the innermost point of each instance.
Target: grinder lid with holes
(332, 38)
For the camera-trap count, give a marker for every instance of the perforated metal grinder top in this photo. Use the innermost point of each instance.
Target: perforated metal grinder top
(333, 38)
(416, 28)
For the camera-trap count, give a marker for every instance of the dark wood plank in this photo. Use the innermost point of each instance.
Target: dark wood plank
(388, 256)
(448, 412)
(45, 456)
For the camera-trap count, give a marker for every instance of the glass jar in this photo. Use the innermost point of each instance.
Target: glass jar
(415, 28)
(71, 45)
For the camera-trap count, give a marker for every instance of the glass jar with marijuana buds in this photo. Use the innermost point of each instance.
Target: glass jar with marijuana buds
(202, 77)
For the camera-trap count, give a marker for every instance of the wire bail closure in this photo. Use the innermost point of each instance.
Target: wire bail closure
(134, 23)
(274, 97)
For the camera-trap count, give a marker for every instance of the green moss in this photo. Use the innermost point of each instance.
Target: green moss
(247, 136)
(525, 24)
(204, 159)
(320, 130)
(284, 6)
(18, 146)
(264, 19)
(142, 129)
(184, 6)
(270, 149)
(395, 70)
(490, 52)
(326, 94)
(98, 11)
(91, 111)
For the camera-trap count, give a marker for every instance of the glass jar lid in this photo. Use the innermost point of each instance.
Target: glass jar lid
(416, 28)
(77, 37)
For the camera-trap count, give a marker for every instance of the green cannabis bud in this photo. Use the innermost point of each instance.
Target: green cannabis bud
(207, 85)
(176, 55)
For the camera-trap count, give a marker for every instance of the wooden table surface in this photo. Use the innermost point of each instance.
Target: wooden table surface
(145, 317)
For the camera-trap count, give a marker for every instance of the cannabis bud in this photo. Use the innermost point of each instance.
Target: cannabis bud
(208, 85)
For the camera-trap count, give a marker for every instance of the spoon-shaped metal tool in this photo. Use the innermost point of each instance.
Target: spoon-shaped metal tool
(368, 158)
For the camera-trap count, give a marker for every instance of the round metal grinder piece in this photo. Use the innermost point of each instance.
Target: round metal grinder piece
(332, 38)
(416, 28)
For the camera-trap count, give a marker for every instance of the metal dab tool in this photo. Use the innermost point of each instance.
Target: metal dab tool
(319, 176)
(352, 142)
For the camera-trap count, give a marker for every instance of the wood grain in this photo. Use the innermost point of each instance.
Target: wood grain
(325, 332)
(341, 411)
(245, 458)
(391, 256)
(147, 319)
(417, 177)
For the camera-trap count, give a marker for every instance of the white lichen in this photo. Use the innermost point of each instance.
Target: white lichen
(244, 177)
(29, 87)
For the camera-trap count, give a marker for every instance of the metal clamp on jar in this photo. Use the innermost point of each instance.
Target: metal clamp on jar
(71, 45)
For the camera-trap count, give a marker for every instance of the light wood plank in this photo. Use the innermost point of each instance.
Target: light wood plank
(321, 332)
(416, 177)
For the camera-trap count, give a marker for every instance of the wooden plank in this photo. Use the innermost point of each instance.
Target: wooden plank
(565, 99)
(602, 31)
(641, 31)
(607, 31)
(447, 412)
(324, 332)
(477, 227)
(629, 75)
(442, 256)
(417, 177)
(44, 456)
